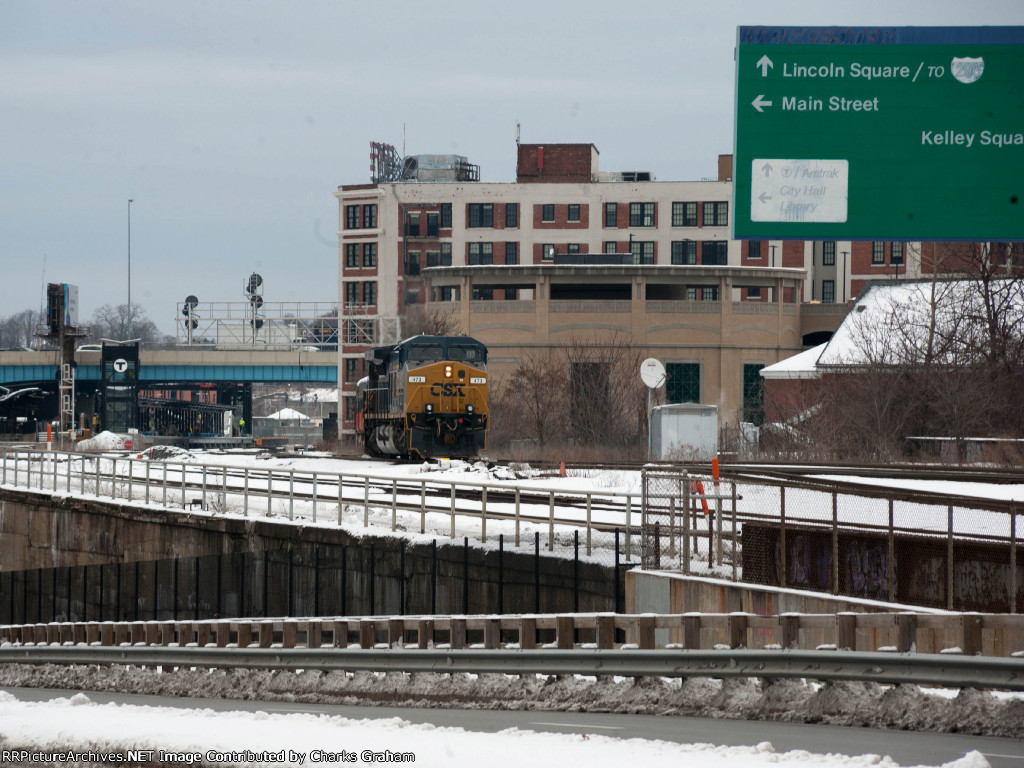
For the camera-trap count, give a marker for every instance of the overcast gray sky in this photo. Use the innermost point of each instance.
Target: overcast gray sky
(231, 123)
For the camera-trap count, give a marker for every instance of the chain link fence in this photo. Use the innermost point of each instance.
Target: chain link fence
(917, 549)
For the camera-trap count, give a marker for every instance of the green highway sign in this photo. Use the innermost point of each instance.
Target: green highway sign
(889, 133)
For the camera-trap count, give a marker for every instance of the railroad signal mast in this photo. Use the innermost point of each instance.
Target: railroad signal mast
(61, 328)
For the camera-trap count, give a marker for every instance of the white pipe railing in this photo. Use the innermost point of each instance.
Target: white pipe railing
(223, 489)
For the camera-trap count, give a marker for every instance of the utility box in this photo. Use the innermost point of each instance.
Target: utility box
(684, 432)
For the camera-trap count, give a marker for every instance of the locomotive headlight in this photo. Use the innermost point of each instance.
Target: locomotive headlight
(469, 408)
(430, 407)
(447, 371)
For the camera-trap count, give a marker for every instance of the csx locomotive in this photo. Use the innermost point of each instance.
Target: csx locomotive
(426, 396)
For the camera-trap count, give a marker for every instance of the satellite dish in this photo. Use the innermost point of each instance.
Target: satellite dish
(652, 372)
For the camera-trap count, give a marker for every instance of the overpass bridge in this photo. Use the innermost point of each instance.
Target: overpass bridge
(29, 383)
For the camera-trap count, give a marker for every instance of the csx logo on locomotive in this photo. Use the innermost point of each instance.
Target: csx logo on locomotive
(447, 389)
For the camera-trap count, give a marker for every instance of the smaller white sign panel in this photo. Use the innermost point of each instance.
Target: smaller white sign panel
(477, 380)
(812, 191)
(417, 379)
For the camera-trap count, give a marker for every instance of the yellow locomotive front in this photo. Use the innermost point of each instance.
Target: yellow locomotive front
(427, 396)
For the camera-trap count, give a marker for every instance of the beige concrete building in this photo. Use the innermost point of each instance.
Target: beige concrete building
(694, 319)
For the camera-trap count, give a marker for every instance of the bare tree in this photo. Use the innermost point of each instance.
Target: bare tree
(115, 323)
(19, 330)
(529, 404)
(416, 320)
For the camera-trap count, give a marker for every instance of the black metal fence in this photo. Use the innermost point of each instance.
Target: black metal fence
(384, 576)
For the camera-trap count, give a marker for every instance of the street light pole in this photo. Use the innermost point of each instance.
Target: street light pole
(129, 333)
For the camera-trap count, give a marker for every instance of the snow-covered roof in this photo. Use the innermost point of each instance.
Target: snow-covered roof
(319, 395)
(287, 414)
(799, 366)
(909, 322)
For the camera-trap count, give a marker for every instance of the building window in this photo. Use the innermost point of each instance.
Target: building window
(433, 258)
(511, 215)
(573, 248)
(896, 256)
(828, 253)
(412, 225)
(351, 293)
(684, 214)
(610, 246)
(684, 252)
(483, 294)
(369, 216)
(351, 217)
(691, 294)
(446, 215)
(716, 214)
(754, 293)
(510, 294)
(481, 253)
(369, 293)
(611, 214)
(511, 253)
(481, 215)
(352, 255)
(682, 382)
(714, 253)
(643, 251)
(641, 214)
(753, 393)
(369, 255)
(433, 228)
(446, 254)
(709, 293)
(547, 252)
(547, 212)
(574, 212)
(447, 294)
(828, 291)
(414, 263)
(754, 249)
(878, 252)
(350, 369)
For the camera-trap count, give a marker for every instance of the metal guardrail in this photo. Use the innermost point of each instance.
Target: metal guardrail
(930, 669)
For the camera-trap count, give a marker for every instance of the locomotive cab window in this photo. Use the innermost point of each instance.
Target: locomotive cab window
(420, 353)
(466, 353)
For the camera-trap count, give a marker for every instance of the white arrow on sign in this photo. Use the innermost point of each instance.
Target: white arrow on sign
(765, 64)
(760, 102)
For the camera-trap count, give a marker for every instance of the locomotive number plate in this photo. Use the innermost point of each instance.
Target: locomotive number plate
(477, 380)
(417, 379)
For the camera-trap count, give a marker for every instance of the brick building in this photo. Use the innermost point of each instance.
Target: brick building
(527, 264)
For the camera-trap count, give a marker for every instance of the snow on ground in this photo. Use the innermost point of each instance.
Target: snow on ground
(218, 738)
(867, 705)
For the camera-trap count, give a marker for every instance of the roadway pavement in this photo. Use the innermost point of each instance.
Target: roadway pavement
(905, 747)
